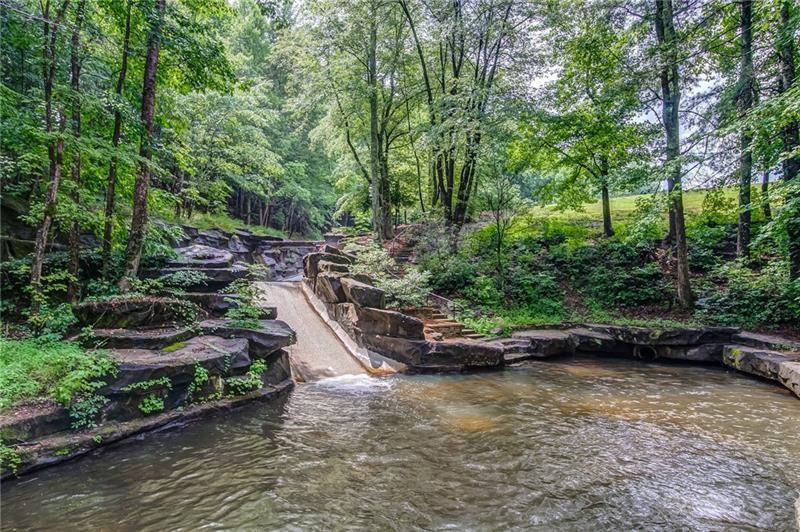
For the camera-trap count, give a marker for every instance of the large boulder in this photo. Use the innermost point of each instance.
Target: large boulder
(707, 353)
(325, 266)
(211, 279)
(168, 374)
(410, 352)
(311, 262)
(363, 294)
(213, 238)
(328, 287)
(463, 354)
(547, 342)
(201, 256)
(389, 323)
(781, 367)
(591, 341)
(214, 303)
(147, 338)
(269, 337)
(671, 336)
(133, 312)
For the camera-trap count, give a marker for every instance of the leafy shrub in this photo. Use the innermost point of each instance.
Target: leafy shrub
(151, 404)
(484, 292)
(248, 383)
(409, 290)
(246, 313)
(31, 369)
(371, 259)
(85, 411)
(618, 274)
(749, 299)
(9, 458)
(449, 274)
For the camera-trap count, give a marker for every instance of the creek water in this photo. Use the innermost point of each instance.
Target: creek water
(567, 445)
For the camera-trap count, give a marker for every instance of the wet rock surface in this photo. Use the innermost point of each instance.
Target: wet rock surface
(169, 366)
(132, 312)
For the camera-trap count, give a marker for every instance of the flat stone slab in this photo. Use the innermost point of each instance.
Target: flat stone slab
(214, 278)
(220, 356)
(547, 342)
(781, 367)
(311, 262)
(30, 422)
(153, 338)
(667, 336)
(363, 294)
(765, 341)
(198, 255)
(467, 354)
(591, 341)
(271, 335)
(131, 312)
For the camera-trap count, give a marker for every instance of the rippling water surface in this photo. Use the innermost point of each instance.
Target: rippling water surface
(580, 444)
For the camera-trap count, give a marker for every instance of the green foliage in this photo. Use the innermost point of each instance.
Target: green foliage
(162, 382)
(749, 299)
(151, 404)
(85, 411)
(246, 313)
(371, 259)
(408, 290)
(10, 458)
(200, 378)
(251, 381)
(30, 369)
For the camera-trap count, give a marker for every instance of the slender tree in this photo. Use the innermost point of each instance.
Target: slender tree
(111, 183)
(133, 252)
(745, 100)
(73, 290)
(55, 142)
(791, 132)
(670, 98)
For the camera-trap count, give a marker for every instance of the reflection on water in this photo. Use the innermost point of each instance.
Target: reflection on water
(567, 445)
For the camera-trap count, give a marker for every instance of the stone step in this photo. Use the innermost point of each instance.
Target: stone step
(215, 278)
(215, 303)
(766, 341)
(132, 312)
(269, 337)
(153, 338)
(474, 336)
(774, 365)
(200, 256)
(442, 323)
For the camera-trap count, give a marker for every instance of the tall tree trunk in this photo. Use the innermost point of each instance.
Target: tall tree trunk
(791, 133)
(745, 98)
(111, 186)
(670, 94)
(765, 205)
(381, 206)
(73, 289)
(133, 253)
(608, 229)
(55, 147)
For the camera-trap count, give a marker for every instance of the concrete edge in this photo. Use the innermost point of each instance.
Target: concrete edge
(374, 363)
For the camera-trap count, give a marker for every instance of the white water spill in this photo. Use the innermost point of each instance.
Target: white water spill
(355, 383)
